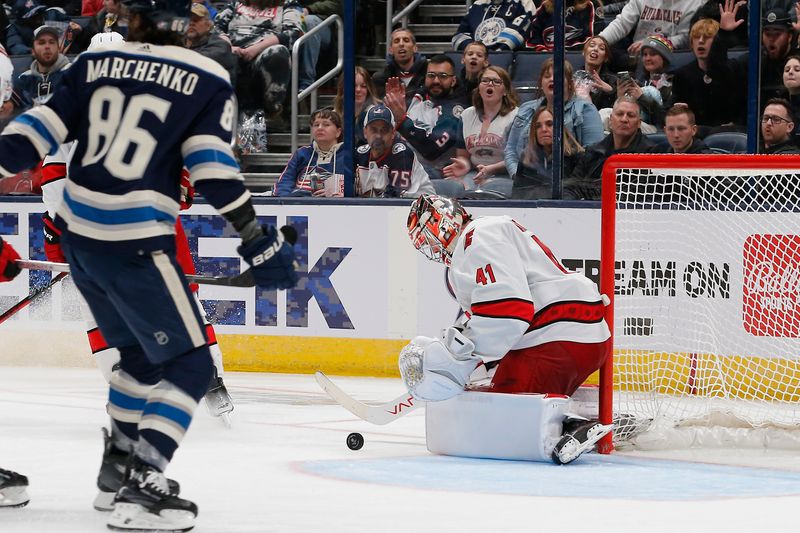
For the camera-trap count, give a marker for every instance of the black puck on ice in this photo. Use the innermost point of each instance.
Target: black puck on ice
(355, 441)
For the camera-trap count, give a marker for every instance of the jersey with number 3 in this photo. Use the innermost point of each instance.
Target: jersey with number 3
(139, 112)
(516, 294)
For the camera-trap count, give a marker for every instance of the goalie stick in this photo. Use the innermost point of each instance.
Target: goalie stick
(380, 414)
(245, 279)
(11, 311)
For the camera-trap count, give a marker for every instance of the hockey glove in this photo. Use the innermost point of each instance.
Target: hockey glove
(52, 241)
(8, 268)
(438, 369)
(271, 259)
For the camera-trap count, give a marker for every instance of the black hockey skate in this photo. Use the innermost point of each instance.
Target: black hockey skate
(218, 400)
(580, 435)
(145, 503)
(112, 474)
(12, 489)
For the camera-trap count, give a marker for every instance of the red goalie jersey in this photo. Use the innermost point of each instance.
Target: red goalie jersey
(545, 322)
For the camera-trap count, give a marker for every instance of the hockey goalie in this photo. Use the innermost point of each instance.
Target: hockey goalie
(533, 329)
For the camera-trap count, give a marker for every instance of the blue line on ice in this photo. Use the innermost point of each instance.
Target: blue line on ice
(592, 476)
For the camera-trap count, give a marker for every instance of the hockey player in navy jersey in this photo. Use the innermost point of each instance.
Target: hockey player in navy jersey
(140, 111)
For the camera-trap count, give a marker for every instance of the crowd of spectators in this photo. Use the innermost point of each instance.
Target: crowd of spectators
(468, 125)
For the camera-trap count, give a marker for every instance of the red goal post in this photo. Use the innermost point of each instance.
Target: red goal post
(700, 257)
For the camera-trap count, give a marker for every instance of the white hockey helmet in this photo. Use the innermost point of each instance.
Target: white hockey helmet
(434, 224)
(104, 39)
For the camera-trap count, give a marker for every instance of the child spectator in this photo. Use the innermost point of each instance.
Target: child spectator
(534, 177)
(499, 24)
(474, 59)
(578, 20)
(483, 134)
(310, 168)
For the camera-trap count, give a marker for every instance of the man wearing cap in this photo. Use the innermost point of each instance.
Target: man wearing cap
(386, 166)
(777, 44)
(200, 39)
(37, 84)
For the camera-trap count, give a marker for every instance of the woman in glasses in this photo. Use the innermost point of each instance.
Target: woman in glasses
(580, 116)
(484, 130)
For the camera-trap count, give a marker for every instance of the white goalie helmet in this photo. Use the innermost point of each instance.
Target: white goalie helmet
(434, 224)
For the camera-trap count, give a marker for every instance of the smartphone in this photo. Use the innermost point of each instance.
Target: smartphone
(623, 76)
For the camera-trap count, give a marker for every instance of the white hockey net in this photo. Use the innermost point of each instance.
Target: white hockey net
(707, 300)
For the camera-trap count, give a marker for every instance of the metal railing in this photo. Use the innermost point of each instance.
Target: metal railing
(311, 90)
(391, 20)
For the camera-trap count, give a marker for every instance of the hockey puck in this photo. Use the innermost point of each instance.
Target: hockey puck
(355, 441)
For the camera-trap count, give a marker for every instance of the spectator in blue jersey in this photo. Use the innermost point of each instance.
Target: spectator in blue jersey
(202, 40)
(386, 166)
(136, 127)
(484, 131)
(499, 24)
(580, 116)
(579, 19)
(314, 12)
(323, 168)
(431, 122)
(37, 84)
(474, 59)
(261, 33)
(402, 62)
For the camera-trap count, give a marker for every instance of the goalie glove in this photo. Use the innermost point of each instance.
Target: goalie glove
(437, 369)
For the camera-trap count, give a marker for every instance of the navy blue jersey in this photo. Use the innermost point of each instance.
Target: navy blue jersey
(139, 113)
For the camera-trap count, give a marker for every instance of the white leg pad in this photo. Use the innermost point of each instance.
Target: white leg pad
(492, 425)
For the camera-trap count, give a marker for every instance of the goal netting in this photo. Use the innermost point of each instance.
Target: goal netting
(703, 253)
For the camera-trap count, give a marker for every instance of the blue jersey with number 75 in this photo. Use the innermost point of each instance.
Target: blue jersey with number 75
(139, 113)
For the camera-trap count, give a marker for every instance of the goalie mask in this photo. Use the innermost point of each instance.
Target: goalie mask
(434, 224)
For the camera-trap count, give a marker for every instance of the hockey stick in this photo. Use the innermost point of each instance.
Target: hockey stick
(245, 279)
(11, 311)
(380, 414)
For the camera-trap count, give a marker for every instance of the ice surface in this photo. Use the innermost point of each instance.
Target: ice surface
(284, 467)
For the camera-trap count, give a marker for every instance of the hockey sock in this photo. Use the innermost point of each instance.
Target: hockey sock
(171, 405)
(128, 392)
